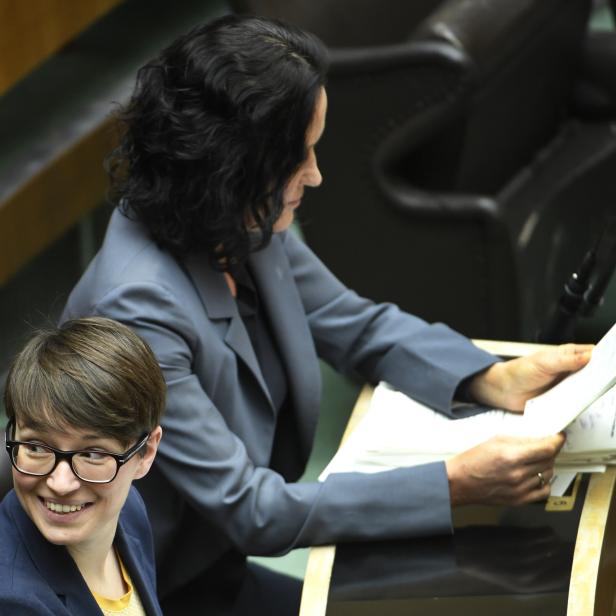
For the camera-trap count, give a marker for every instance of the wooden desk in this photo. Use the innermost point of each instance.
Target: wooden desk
(592, 585)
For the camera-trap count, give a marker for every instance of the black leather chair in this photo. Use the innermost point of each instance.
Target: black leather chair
(6, 476)
(459, 180)
(346, 23)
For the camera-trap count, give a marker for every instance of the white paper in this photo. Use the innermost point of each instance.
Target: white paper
(554, 410)
(562, 480)
(595, 429)
(398, 431)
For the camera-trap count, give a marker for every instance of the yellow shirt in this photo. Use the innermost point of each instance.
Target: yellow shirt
(127, 605)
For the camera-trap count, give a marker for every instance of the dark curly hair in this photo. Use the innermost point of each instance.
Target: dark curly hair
(214, 130)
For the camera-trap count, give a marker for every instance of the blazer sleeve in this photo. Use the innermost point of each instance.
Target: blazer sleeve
(379, 341)
(252, 505)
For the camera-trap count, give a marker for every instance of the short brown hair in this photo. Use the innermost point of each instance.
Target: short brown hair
(91, 373)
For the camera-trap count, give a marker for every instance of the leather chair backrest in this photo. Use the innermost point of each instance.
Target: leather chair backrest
(526, 55)
(346, 23)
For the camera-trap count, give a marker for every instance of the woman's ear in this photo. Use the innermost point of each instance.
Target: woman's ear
(145, 461)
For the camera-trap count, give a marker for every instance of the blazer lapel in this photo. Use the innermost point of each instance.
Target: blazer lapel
(277, 290)
(129, 548)
(220, 305)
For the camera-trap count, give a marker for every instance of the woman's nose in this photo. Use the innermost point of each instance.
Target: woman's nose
(62, 480)
(313, 173)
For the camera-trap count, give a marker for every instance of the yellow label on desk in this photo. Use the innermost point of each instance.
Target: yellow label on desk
(565, 502)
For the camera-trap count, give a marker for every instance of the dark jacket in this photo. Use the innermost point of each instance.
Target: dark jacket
(39, 578)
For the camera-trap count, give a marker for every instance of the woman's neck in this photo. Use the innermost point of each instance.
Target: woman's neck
(231, 283)
(100, 568)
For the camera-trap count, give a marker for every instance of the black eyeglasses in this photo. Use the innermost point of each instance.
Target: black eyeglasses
(93, 466)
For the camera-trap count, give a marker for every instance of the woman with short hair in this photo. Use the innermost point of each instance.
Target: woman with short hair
(84, 403)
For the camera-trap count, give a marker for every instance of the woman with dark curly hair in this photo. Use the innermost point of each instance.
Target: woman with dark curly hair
(201, 156)
(218, 150)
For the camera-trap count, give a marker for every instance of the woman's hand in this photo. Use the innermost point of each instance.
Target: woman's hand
(504, 471)
(508, 385)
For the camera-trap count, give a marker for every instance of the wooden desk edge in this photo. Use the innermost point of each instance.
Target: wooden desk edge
(510, 349)
(321, 559)
(590, 548)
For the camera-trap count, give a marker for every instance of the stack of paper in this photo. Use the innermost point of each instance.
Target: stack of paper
(398, 431)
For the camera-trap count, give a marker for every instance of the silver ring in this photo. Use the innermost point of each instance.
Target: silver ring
(542, 481)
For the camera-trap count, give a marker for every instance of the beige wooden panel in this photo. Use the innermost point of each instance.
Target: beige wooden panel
(321, 559)
(510, 349)
(316, 581)
(593, 574)
(31, 30)
(69, 187)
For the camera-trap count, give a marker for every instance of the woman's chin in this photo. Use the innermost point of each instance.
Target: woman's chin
(286, 219)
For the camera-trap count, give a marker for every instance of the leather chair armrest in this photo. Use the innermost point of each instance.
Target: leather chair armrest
(451, 206)
(489, 31)
(408, 55)
(415, 90)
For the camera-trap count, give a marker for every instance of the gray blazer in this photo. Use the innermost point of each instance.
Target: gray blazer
(211, 491)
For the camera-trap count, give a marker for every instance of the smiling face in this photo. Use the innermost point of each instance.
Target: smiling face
(71, 512)
(308, 173)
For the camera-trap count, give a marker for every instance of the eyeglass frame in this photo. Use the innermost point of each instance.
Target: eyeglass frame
(60, 454)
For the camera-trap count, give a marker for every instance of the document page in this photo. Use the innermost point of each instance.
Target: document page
(398, 431)
(592, 436)
(554, 410)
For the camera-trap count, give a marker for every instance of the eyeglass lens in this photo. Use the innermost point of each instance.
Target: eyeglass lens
(89, 465)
